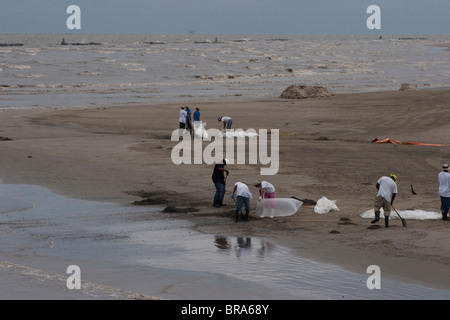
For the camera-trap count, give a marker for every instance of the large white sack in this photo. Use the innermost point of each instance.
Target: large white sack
(238, 133)
(324, 205)
(200, 130)
(406, 214)
(277, 207)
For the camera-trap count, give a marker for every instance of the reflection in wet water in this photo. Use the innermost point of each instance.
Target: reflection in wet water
(261, 261)
(238, 247)
(242, 246)
(222, 243)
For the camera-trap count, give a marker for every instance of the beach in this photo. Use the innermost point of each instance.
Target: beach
(121, 153)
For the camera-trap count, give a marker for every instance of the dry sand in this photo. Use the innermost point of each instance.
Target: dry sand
(122, 153)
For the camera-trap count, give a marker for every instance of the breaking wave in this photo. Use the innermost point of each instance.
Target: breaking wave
(40, 75)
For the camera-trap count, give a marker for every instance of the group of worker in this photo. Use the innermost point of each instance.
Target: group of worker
(241, 193)
(387, 190)
(185, 120)
(386, 186)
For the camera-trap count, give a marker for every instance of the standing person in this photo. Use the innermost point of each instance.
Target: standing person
(189, 120)
(387, 190)
(444, 191)
(219, 178)
(266, 189)
(227, 122)
(243, 196)
(197, 114)
(198, 125)
(182, 121)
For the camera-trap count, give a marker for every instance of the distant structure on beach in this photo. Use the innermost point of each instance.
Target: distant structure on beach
(11, 44)
(154, 42)
(64, 43)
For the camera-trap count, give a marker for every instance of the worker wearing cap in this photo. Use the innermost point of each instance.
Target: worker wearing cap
(188, 119)
(444, 191)
(182, 121)
(219, 177)
(387, 190)
(266, 189)
(227, 122)
(197, 114)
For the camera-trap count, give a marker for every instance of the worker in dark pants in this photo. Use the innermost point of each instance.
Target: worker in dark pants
(444, 191)
(243, 196)
(189, 121)
(219, 178)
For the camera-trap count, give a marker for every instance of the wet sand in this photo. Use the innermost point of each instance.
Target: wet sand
(122, 154)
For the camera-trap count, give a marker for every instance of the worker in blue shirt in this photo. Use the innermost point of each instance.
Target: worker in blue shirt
(197, 114)
(188, 120)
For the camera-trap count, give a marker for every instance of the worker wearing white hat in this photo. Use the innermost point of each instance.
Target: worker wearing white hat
(444, 191)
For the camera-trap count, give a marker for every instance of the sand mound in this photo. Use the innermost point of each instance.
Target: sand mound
(408, 86)
(304, 92)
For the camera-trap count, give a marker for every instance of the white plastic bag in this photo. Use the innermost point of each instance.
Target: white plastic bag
(324, 205)
(406, 214)
(277, 207)
(238, 133)
(200, 130)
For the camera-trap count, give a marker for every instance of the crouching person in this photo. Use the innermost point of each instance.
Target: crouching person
(242, 196)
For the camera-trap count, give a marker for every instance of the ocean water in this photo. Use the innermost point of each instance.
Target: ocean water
(153, 68)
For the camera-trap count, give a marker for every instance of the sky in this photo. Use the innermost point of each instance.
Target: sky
(406, 17)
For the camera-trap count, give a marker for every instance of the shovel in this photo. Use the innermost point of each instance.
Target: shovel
(412, 189)
(403, 220)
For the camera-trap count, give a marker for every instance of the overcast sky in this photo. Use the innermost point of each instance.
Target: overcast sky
(417, 17)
